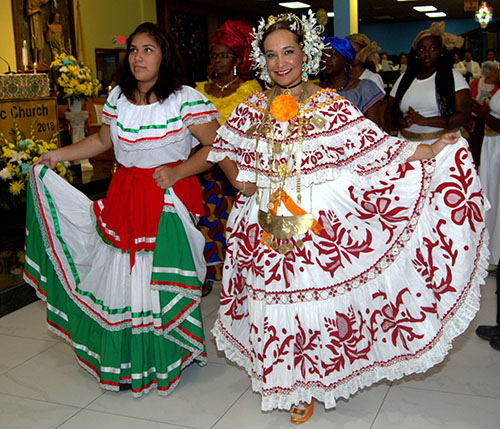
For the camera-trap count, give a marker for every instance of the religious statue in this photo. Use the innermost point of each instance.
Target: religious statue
(33, 10)
(55, 35)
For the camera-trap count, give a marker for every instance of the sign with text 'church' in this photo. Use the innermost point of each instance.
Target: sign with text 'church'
(24, 111)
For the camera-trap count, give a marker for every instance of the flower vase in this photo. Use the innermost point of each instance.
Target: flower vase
(75, 105)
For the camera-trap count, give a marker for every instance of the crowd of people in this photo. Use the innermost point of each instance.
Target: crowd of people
(346, 254)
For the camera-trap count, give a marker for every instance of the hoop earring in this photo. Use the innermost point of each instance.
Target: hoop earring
(305, 77)
(235, 72)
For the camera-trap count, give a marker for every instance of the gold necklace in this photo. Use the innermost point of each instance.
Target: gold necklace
(223, 87)
(266, 129)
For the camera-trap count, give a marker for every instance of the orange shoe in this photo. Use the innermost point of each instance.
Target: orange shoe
(300, 413)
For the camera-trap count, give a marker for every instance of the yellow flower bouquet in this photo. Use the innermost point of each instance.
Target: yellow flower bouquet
(16, 156)
(73, 79)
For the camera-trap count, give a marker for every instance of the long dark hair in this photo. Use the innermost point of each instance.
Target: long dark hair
(171, 75)
(445, 83)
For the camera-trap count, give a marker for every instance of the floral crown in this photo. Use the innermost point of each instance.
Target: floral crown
(307, 27)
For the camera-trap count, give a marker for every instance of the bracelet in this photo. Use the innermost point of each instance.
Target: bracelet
(432, 150)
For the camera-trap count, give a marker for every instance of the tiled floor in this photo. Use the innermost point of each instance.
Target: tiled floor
(42, 386)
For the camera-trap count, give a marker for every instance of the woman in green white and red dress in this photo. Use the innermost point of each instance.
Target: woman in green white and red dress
(122, 276)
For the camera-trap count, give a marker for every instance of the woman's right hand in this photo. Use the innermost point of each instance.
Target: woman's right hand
(49, 159)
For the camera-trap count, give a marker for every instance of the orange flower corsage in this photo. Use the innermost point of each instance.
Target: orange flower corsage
(284, 107)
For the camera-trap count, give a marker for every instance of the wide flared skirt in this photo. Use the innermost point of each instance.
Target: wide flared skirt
(376, 289)
(129, 319)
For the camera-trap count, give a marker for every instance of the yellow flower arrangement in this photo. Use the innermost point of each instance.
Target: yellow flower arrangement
(16, 156)
(74, 79)
(284, 108)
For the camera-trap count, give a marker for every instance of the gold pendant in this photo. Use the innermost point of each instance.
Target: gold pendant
(284, 170)
(285, 227)
(251, 130)
(318, 121)
(277, 148)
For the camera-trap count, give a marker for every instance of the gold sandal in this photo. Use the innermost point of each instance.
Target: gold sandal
(300, 413)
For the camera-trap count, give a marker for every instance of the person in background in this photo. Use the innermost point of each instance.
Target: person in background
(122, 276)
(458, 65)
(472, 68)
(481, 90)
(364, 64)
(487, 85)
(232, 82)
(385, 63)
(351, 258)
(490, 180)
(402, 62)
(491, 55)
(363, 93)
(430, 98)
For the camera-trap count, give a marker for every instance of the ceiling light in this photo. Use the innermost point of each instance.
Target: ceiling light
(331, 14)
(294, 4)
(436, 14)
(424, 8)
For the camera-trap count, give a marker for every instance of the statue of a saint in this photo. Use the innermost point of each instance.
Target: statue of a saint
(33, 10)
(55, 35)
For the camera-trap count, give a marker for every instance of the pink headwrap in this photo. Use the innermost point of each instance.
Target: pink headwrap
(238, 37)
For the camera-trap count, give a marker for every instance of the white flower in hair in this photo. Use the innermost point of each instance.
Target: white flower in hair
(306, 27)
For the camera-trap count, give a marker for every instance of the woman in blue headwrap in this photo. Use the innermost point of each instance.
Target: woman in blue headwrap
(364, 94)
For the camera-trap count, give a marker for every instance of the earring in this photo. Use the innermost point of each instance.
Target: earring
(235, 72)
(305, 77)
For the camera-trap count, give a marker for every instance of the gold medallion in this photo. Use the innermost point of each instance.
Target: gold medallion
(285, 227)
(318, 121)
(284, 170)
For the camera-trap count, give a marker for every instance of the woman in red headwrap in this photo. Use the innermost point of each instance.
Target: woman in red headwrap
(233, 82)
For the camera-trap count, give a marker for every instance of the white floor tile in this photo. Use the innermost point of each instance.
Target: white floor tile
(201, 398)
(358, 412)
(28, 322)
(417, 409)
(22, 413)
(93, 419)
(214, 356)
(53, 376)
(210, 303)
(15, 350)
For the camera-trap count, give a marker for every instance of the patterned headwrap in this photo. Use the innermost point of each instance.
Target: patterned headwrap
(368, 51)
(450, 41)
(342, 46)
(238, 37)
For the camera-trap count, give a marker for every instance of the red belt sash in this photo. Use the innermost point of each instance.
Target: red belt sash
(128, 217)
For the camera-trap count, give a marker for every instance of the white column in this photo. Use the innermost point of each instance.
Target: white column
(77, 128)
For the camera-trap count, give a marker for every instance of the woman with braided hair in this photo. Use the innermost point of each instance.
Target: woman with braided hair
(431, 98)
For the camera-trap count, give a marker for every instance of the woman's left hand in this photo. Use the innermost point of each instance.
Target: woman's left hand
(246, 188)
(445, 139)
(165, 177)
